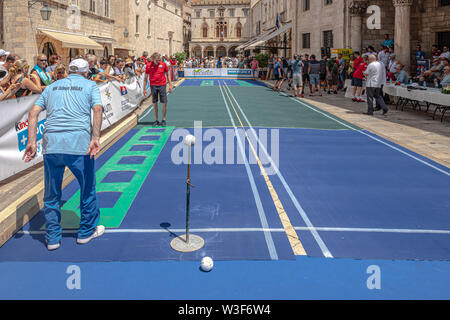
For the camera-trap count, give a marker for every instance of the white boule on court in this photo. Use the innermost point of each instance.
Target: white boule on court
(189, 140)
(207, 264)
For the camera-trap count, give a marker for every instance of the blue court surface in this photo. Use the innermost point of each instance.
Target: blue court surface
(350, 198)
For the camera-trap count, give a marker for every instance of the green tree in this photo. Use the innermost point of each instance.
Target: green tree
(263, 59)
(180, 57)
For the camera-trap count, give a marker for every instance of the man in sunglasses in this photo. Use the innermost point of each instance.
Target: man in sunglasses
(40, 69)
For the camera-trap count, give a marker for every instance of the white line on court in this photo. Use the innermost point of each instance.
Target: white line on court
(145, 113)
(207, 230)
(326, 252)
(372, 137)
(149, 110)
(262, 214)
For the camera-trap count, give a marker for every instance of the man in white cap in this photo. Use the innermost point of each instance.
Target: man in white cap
(3, 55)
(69, 141)
(9, 61)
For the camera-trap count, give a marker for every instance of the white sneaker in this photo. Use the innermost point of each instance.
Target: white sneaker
(52, 247)
(99, 230)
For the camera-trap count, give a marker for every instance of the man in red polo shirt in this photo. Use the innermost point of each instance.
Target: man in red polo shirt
(158, 73)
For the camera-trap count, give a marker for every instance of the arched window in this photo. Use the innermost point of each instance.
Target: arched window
(205, 30)
(225, 31)
(48, 49)
(238, 30)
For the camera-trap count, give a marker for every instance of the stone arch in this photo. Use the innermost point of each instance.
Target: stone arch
(221, 51)
(209, 51)
(197, 52)
(232, 52)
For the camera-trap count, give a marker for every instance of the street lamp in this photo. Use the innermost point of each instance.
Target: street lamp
(126, 33)
(46, 12)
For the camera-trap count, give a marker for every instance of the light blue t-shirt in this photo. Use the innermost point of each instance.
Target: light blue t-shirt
(402, 77)
(68, 103)
(297, 66)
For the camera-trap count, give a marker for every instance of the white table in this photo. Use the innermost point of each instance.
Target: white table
(430, 96)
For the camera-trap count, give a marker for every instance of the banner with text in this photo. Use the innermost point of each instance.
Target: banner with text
(220, 73)
(119, 99)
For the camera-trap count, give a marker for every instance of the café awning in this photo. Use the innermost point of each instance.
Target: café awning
(70, 40)
(252, 44)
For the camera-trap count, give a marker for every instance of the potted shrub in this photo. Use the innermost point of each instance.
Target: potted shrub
(263, 59)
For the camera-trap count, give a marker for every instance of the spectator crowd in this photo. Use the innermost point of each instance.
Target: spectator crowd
(330, 74)
(19, 79)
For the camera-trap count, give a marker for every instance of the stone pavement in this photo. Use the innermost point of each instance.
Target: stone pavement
(413, 129)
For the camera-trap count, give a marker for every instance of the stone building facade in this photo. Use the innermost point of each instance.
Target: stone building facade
(69, 31)
(187, 25)
(218, 27)
(270, 27)
(320, 25)
(149, 25)
(102, 27)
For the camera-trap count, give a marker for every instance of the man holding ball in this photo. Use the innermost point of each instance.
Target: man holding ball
(157, 73)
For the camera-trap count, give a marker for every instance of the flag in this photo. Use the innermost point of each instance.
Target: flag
(278, 21)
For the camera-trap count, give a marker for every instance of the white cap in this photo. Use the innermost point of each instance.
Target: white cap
(79, 65)
(4, 53)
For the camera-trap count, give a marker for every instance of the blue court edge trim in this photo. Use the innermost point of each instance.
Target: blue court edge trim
(300, 279)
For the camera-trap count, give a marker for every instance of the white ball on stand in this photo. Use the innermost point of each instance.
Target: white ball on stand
(189, 140)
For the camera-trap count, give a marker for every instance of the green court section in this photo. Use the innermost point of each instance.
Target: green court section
(266, 108)
(207, 83)
(263, 107)
(121, 178)
(189, 104)
(244, 83)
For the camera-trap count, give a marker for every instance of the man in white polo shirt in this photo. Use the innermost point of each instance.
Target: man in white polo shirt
(376, 77)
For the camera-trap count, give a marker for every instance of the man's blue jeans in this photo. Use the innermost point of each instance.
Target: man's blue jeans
(83, 169)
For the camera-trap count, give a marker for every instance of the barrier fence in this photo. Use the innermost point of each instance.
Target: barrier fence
(119, 99)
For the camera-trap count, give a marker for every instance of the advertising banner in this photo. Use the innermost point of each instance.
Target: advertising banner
(218, 73)
(119, 99)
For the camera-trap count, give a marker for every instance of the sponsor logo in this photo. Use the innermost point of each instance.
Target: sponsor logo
(123, 91)
(240, 72)
(21, 125)
(108, 93)
(108, 108)
(203, 72)
(22, 136)
(126, 105)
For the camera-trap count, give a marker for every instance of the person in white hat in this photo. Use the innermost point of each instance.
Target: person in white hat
(68, 140)
(3, 55)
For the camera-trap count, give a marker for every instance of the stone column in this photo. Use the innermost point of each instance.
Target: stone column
(357, 9)
(203, 51)
(402, 35)
(215, 52)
